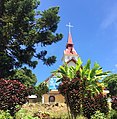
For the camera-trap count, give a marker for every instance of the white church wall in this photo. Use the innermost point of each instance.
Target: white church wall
(71, 64)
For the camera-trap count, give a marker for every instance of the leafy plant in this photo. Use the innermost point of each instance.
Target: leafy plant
(80, 84)
(114, 103)
(111, 84)
(98, 115)
(5, 115)
(13, 95)
(112, 114)
(93, 104)
(22, 114)
(41, 89)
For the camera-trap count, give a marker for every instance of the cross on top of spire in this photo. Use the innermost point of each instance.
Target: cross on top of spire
(69, 25)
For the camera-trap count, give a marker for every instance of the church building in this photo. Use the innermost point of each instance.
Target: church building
(69, 56)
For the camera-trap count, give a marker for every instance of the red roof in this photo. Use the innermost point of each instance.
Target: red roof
(69, 47)
(69, 39)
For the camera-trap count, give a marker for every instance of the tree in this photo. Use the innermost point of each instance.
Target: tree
(111, 84)
(12, 94)
(82, 89)
(25, 76)
(22, 28)
(41, 89)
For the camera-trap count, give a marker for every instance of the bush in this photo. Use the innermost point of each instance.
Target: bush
(12, 94)
(114, 103)
(98, 115)
(5, 115)
(22, 114)
(112, 114)
(91, 105)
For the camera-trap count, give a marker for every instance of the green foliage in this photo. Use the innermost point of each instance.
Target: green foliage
(98, 115)
(56, 116)
(5, 115)
(41, 89)
(112, 114)
(111, 83)
(114, 103)
(79, 85)
(25, 76)
(22, 114)
(22, 28)
(13, 95)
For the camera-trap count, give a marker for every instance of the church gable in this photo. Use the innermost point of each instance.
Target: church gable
(71, 63)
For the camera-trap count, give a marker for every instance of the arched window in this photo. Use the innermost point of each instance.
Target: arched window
(52, 99)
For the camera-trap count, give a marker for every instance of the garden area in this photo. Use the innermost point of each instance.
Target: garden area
(24, 30)
(81, 86)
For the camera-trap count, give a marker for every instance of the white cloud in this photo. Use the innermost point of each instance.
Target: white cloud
(111, 18)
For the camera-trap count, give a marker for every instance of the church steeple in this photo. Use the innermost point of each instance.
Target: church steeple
(69, 42)
(69, 52)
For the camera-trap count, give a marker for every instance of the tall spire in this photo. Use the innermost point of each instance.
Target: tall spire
(69, 35)
(69, 52)
(69, 39)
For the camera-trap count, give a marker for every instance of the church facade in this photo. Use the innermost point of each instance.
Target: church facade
(70, 57)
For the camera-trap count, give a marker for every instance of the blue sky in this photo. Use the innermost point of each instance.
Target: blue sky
(94, 33)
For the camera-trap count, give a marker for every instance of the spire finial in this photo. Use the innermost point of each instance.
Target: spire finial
(69, 25)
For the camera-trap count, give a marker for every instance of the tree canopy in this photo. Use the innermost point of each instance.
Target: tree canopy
(41, 89)
(111, 83)
(22, 28)
(25, 76)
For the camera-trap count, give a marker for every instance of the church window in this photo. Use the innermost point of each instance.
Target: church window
(52, 99)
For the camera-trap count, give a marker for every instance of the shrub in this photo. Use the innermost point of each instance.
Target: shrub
(12, 94)
(42, 115)
(112, 114)
(5, 115)
(98, 115)
(91, 105)
(22, 114)
(114, 103)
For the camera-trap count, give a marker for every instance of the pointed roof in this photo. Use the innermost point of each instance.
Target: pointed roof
(69, 46)
(69, 39)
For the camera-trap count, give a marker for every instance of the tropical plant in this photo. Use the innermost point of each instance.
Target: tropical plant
(22, 27)
(111, 84)
(78, 83)
(13, 95)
